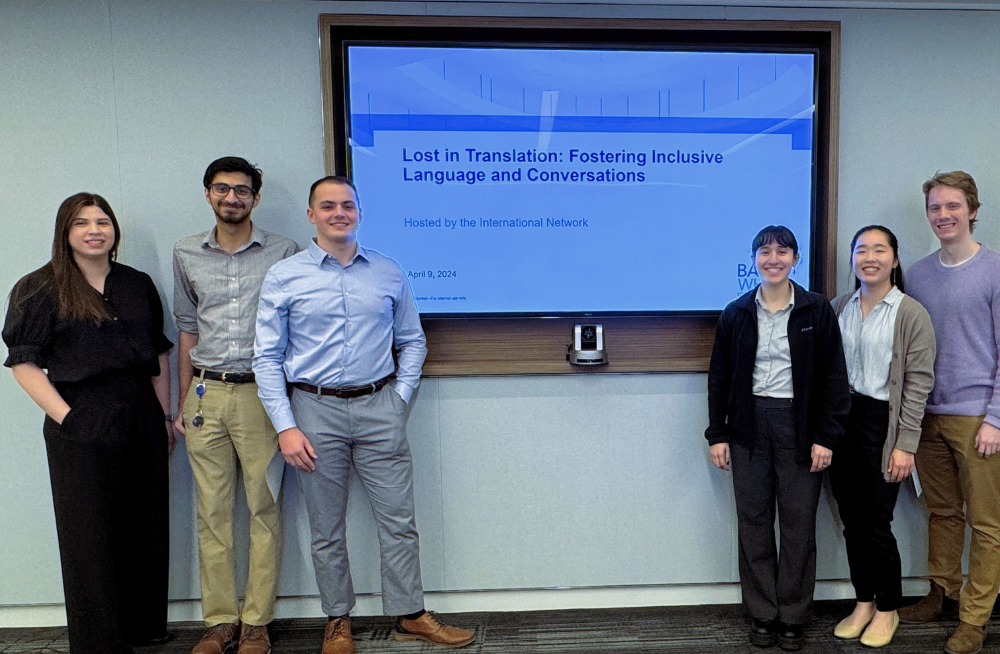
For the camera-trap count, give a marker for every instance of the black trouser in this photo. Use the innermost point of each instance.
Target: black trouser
(108, 469)
(777, 584)
(866, 502)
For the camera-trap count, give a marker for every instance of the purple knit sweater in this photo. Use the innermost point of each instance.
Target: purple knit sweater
(964, 303)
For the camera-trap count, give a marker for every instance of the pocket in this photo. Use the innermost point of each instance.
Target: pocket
(399, 405)
(102, 422)
(398, 401)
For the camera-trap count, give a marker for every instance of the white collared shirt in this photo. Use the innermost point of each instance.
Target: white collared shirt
(772, 370)
(868, 343)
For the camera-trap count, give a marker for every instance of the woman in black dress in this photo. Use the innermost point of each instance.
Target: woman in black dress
(86, 343)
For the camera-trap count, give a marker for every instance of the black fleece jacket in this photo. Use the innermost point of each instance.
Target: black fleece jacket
(819, 374)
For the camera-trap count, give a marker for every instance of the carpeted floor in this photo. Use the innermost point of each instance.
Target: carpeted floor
(713, 629)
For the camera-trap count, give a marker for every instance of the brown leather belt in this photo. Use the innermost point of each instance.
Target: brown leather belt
(227, 377)
(343, 393)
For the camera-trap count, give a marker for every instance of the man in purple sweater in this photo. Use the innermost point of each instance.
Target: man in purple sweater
(960, 287)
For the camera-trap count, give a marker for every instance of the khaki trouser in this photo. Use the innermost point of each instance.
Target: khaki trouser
(961, 486)
(236, 427)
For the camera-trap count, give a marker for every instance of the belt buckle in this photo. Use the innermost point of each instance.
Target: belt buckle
(223, 378)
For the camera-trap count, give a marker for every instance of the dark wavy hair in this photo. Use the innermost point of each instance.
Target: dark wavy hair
(896, 276)
(234, 165)
(76, 298)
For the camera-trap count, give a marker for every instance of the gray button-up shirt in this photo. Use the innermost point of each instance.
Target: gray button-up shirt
(772, 370)
(216, 293)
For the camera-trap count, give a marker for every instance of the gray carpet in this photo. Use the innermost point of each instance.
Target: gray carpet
(689, 629)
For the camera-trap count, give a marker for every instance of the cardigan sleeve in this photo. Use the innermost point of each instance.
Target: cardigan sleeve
(918, 349)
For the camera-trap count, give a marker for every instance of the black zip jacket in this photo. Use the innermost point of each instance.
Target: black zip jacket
(819, 373)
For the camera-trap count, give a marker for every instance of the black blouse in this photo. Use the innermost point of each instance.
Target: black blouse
(76, 350)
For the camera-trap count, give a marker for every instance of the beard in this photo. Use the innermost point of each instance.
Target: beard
(234, 218)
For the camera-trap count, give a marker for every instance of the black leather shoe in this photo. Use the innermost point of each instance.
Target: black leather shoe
(790, 637)
(763, 632)
(150, 641)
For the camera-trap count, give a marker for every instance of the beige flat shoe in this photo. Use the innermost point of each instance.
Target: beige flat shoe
(870, 640)
(848, 631)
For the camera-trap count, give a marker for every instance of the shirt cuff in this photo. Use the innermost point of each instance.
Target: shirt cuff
(282, 418)
(404, 391)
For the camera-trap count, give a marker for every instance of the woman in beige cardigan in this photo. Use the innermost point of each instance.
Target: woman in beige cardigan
(889, 347)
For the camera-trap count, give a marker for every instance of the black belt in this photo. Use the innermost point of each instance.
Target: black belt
(227, 377)
(343, 393)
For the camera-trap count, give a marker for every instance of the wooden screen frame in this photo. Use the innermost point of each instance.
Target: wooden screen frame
(523, 346)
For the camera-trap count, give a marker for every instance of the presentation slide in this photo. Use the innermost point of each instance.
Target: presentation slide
(547, 181)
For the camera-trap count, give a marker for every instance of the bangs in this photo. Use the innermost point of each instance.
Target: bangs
(775, 234)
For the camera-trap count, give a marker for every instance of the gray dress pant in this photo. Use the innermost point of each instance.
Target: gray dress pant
(777, 583)
(368, 433)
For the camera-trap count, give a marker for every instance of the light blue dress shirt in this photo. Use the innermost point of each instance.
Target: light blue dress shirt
(334, 326)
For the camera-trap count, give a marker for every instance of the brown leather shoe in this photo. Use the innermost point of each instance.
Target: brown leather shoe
(967, 639)
(428, 628)
(934, 606)
(337, 638)
(218, 639)
(254, 639)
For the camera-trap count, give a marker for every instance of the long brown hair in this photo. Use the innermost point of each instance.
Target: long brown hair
(77, 299)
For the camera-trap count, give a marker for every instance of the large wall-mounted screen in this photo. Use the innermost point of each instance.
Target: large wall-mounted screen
(558, 180)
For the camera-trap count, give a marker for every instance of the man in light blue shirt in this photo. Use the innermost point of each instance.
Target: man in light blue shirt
(328, 320)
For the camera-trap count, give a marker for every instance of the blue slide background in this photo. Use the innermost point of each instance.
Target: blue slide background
(679, 240)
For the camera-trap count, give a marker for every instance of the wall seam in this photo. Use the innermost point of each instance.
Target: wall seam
(114, 98)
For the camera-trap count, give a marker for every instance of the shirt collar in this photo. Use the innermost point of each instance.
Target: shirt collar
(256, 236)
(759, 299)
(319, 255)
(892, 297)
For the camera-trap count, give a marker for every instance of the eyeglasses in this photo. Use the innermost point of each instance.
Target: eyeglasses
(222, 190)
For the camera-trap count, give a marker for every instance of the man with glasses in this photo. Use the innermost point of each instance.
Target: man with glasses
(217, 278)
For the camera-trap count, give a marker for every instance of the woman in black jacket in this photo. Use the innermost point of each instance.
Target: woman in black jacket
(778, 399)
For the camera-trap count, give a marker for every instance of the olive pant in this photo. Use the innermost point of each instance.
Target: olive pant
(961, 486)
(235, 428)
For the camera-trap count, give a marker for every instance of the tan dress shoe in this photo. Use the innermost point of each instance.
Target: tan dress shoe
(428, 628)
(967, 639)
(254, 640)
(337, 638)
(935, 605)
(218, 639)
